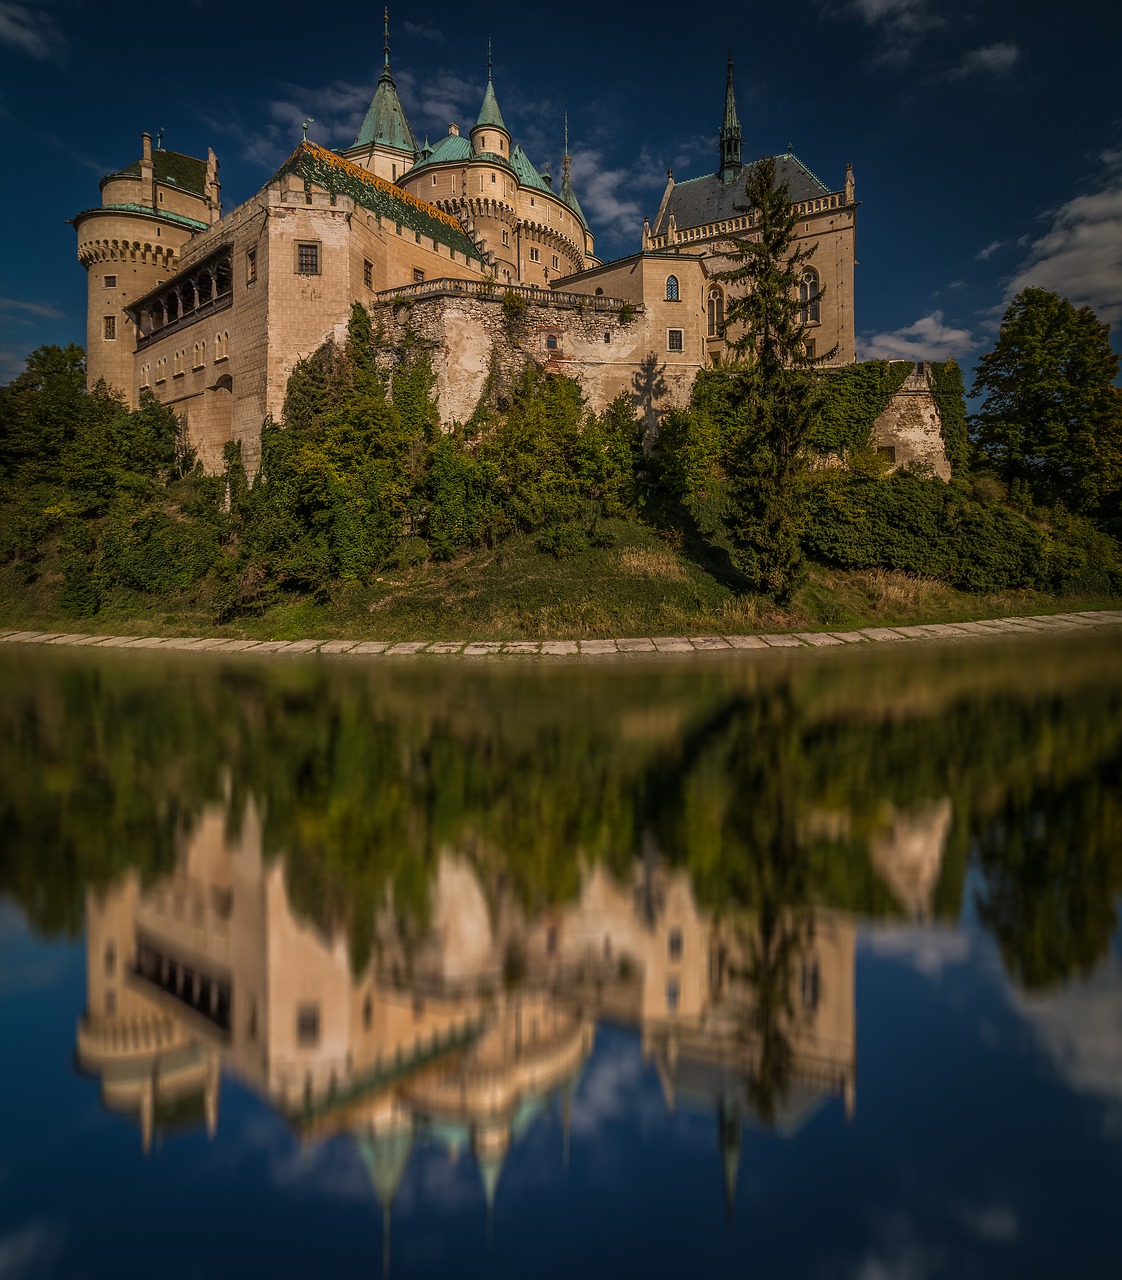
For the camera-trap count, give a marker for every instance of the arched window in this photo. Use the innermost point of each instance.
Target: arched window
(551, 342)
(808, 296)
(716, 312)
(671, 288)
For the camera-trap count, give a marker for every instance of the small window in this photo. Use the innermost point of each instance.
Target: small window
(555, 262)
(368, 273)
(535, 255)
(493, 179)
(307, 1025)
(161, 197)
(110, 958)
(110, 328)
(418, 275)
(506, 237)
(307, 258)
(672, 994)
(887, 452)
(599, 293)
(809, 345)
(367, 1013)
(607, 335)
(251, 266)
(111, 282)
(672, 289)
(674, 944)
(716, 313)
(531, 202)
(551, 342)
(674, 340)
(434, 179)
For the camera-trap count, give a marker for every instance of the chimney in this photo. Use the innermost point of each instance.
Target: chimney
(147, 174)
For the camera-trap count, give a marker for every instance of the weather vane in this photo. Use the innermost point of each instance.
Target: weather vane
(304, 126)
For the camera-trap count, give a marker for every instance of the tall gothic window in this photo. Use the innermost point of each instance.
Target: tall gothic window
(671, 288)
(808, 296)
(716, 312)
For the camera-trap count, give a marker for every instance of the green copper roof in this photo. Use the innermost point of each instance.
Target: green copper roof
(386, 124)
(489, 113)
(570, 198)
(336, 174)
(170, 167)
(452, 147)
(160, 215)
(525, 172)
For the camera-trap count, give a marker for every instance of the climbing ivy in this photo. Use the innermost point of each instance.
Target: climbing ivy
(854, 396)
(950, 400)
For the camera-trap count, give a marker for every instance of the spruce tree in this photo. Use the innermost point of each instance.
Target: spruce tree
(776, 396)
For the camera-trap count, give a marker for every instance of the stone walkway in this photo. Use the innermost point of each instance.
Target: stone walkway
(1043, 624)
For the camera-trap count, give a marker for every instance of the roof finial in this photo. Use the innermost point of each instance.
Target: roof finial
(304, 126)
(566, 159)
(489, 66)
(386, 42)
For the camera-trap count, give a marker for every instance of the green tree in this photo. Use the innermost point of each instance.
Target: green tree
(1051, 425)
(775, 395)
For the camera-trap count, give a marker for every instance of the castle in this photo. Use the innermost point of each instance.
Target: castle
(211, 311)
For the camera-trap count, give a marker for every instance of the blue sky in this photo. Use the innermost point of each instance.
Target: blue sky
(985, 135)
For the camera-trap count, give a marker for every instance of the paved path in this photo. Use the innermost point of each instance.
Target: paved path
(639, 646)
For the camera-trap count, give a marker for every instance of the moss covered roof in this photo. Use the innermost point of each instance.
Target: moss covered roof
(335, 174)
(173, 168)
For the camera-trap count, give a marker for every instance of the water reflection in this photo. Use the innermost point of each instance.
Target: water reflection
(415, 911)
(464, 1035)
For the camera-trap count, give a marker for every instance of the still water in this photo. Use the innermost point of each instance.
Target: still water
(784, 967)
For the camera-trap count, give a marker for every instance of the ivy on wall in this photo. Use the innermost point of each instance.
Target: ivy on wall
(854, 396)
(949, 394)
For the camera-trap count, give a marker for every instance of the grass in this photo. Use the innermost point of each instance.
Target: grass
(636, 585)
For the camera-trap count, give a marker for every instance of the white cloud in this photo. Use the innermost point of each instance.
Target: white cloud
(1081, 1030)
(41, 310)
(1079, 256)
(30, 31)
(927, 339)
(601, 192)
(994, 59)
(29, 1251)
(927, 949)
(423, 31)
(984, 255)
(900, 25)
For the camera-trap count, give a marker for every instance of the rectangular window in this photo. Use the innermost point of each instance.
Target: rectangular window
(307, 1025)
(555, 262)
(307, 258)
(111, 282)
(110, 328)
(535, 255)
(251, 266)
(674, 340)
(809, 344)
(434, 179)
(368, 273)
(418, 275)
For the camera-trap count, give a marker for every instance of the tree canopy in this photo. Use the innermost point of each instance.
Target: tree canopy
(1051, 424)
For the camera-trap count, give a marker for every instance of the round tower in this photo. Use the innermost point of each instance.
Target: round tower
(132, 242)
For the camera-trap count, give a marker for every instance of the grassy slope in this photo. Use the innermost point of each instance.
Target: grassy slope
(640, 585)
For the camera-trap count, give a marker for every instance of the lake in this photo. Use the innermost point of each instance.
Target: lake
(802, 965)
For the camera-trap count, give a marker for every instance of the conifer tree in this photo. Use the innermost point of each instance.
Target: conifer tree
(776, 397)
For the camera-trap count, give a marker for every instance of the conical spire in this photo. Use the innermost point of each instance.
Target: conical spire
(385, 123)
(567, 194)
(489, 114)
(730, 132)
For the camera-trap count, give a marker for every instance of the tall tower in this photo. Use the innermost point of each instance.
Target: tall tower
(132, 242)
(489, 135)
(731, 163)
(385, 145)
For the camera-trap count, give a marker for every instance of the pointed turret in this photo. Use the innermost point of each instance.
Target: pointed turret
(731, 162)
(385, 137)
(490, 136)
(567, 193)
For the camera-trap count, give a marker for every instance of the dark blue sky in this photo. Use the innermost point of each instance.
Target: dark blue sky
(985, 135)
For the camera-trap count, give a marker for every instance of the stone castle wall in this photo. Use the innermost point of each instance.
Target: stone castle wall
(910, 428)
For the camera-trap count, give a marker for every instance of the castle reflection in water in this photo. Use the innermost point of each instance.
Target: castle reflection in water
(463, 1036)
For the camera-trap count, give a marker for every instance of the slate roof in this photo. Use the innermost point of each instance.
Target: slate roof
(335, 174)
(699, 201)
(170, 167)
